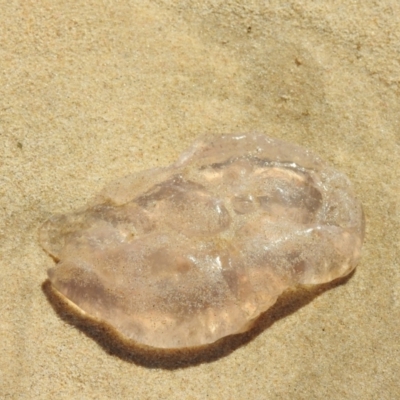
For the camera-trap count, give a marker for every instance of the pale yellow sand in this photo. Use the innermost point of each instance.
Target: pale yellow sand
(90, 91)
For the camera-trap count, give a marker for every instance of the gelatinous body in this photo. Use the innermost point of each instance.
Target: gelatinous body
(185, 255)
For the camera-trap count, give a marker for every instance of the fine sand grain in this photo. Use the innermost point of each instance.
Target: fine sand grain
(91, 91)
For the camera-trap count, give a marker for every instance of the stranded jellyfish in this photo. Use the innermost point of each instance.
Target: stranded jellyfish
(185, 255)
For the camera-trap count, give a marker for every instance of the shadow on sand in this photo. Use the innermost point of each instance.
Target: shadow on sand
(288, 303)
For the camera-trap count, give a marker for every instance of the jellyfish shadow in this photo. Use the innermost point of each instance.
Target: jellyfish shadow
(170, 359)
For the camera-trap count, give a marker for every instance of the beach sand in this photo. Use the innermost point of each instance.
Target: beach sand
(93, 91)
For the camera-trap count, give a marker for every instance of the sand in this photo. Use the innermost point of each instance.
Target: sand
(93, 91)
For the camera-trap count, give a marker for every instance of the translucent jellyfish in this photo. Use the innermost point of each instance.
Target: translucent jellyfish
(185, 255)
